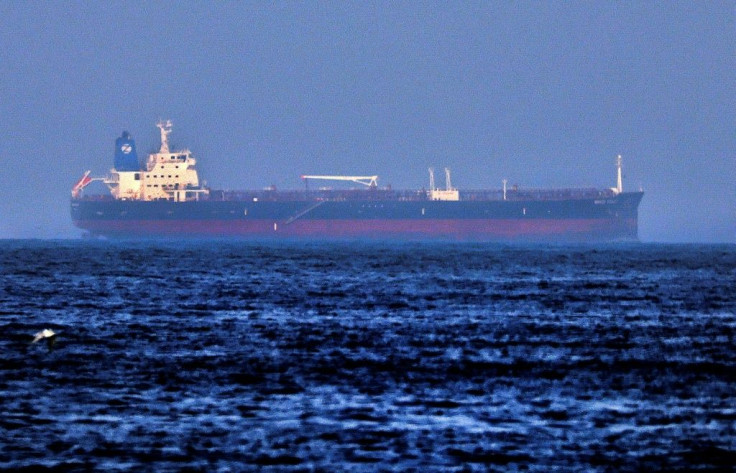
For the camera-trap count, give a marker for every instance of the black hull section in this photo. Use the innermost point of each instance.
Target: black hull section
(612, 218)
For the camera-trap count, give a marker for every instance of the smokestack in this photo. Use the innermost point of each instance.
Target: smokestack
(126, 157)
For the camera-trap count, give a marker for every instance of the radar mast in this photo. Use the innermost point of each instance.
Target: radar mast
(165, 127)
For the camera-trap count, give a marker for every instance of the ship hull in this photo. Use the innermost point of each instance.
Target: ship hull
(574, 220)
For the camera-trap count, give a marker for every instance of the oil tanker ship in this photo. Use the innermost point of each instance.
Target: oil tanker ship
(164, 197)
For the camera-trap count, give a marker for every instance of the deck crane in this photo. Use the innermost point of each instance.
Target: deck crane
(368, 181)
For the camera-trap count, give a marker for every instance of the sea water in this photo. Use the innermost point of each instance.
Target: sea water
(232, 356)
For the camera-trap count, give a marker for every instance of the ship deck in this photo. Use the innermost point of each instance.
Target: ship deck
(387, 194)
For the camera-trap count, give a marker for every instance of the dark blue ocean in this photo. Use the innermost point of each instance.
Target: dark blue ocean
(226, 356)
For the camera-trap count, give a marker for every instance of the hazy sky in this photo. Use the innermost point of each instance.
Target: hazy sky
(541, 93)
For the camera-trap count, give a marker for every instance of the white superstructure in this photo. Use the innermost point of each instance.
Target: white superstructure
(168, 175)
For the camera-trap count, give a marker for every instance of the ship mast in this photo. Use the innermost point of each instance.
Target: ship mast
(448, 183)
(165, 127)
(619, 182)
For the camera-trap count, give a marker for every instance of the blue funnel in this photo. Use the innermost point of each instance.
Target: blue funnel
(126, 158)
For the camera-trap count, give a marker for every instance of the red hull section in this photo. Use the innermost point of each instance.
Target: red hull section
(467, 229)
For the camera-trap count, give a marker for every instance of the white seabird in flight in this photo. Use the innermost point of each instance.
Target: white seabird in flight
(45, 333)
